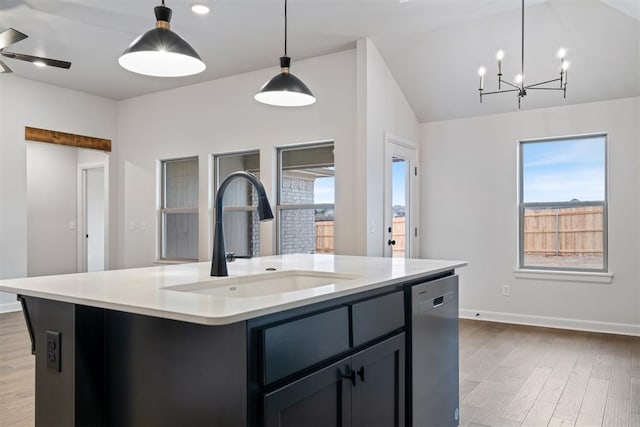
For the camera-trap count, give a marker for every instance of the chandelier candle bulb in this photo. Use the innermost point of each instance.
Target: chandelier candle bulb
(499, 57)
(481, 72)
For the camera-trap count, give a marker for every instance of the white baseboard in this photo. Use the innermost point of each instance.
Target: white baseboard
(552, 322)
(8, 307)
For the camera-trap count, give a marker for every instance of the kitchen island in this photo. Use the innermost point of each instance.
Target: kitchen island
(284, 340)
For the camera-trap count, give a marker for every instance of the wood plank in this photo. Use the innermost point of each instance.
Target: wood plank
(635, 396)
(539, 414)
(560, 422)
(593, 403)
(63, 138)
(602, 367)
(571, 399)
(527, 395)
(490, 413)
(616, 412)
(620, 382)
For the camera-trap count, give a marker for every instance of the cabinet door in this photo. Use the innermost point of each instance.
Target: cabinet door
(322, 399)
(378, 396)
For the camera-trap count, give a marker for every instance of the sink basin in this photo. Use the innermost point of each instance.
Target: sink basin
(257, 285)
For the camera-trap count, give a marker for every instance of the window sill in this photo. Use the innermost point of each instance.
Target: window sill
(564, 276)
(173, 261)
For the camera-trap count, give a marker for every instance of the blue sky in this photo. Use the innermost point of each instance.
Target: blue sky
(562, 171)
(324, 190)
(398, 190)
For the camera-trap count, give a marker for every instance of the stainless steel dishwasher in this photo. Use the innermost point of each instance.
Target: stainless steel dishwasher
(434, 365)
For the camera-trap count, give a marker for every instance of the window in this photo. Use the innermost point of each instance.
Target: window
(179, 209)
(240, 216)
(306, 199)
(563, 204)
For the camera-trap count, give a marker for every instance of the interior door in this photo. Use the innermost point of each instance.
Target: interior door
(400, 237)
(94, 221)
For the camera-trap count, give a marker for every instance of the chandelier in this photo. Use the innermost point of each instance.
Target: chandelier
(519, 85)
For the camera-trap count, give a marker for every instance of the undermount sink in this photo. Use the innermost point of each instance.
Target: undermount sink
(272, 283)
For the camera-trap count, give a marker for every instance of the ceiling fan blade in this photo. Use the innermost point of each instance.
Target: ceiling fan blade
(30, 58)
(4, 68)
(11, 36)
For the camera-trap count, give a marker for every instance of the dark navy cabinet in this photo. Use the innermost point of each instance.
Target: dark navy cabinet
(364, 390)
(339, 365)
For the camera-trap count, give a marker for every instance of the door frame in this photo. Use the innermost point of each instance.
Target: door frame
(395, 146)
(81, 242)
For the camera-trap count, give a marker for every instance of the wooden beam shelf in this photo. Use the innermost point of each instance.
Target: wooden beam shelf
(69, 139)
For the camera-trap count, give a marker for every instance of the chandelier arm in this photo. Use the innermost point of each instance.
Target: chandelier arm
(510, 84)
(542, 83)
(501, 91)
(545, 88)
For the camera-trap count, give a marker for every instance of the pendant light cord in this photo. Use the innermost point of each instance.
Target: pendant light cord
(285, 27)
(522, 51)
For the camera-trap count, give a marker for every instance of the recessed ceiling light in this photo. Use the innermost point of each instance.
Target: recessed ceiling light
(200, 8)
(39, 64)
(403, 1)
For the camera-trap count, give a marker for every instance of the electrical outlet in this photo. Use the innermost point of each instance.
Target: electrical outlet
(506, 290)
(53, 350)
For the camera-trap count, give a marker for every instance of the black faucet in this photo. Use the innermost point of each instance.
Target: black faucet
(219, 258)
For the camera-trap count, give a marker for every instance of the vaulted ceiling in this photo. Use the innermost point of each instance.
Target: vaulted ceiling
(432, 47)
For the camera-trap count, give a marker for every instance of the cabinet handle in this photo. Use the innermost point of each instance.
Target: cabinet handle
(391, 242)
(361, 373)
(351, 376)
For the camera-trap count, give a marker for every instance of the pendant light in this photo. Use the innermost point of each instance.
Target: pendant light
(285, 89)
(160, 52)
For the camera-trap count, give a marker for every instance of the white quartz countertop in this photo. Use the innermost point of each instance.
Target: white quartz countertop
(144, 290)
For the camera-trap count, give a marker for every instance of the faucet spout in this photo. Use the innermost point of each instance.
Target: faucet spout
(218, 258)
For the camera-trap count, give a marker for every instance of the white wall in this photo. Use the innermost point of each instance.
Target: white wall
(382, 110)
(29, 103)
(51, 208)
(222, 116)
(470, 213)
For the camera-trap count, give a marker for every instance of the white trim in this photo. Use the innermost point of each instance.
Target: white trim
(9, 307)
(553, 322)
(564, 276)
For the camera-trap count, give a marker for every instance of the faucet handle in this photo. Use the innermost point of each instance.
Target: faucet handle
(230, 256)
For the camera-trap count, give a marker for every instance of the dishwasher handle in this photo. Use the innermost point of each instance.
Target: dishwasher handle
(434, 303)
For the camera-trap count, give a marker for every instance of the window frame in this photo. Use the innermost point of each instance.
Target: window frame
(162, 210)
(522, 206)
(215, 184)
(307, 206)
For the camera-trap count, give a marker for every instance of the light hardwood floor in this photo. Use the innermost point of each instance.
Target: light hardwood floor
(509, 376)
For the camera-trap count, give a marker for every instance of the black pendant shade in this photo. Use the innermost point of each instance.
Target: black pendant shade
(160, 52)
(285, 89)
